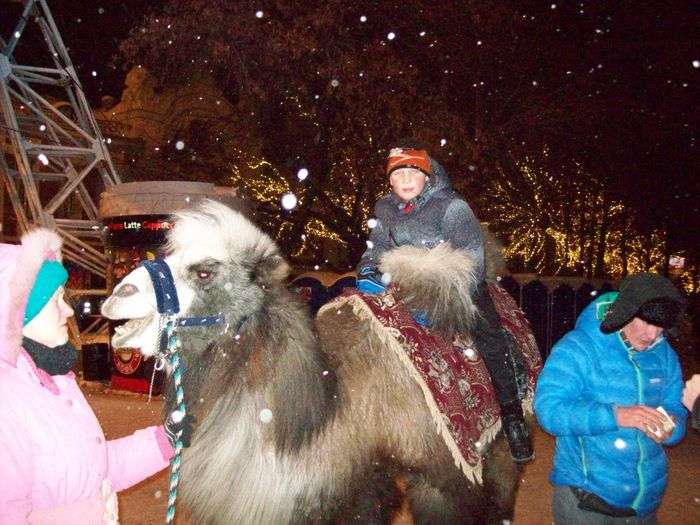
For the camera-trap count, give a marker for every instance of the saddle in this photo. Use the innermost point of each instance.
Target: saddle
(453, 377)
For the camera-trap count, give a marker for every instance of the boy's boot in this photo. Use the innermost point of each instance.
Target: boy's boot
(516, 432)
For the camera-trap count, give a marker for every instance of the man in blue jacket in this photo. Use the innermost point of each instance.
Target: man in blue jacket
(599, 394)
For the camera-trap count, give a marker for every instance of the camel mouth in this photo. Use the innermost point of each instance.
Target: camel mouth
(131, 334)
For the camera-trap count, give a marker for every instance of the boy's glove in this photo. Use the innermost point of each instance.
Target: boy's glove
(180, 427)
(369, 280)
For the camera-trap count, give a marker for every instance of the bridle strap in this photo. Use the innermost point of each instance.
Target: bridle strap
(167, 301)
(200, 321)
(163, 285)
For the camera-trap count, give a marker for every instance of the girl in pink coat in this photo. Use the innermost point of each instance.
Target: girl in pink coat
(55, 465)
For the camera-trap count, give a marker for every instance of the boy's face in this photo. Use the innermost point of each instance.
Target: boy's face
(407, 183)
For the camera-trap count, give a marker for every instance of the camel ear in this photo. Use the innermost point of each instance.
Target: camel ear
(271, 270)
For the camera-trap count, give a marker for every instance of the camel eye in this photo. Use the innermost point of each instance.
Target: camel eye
(204, 272)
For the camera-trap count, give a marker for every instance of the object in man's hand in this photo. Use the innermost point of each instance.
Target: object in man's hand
(668, 424)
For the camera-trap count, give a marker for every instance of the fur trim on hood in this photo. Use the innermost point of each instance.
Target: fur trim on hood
(19, 265)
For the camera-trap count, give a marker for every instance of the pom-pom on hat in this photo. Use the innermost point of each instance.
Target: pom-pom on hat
(649, 296)
(408, 158)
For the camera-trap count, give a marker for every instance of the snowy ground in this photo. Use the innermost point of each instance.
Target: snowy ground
(121, 413)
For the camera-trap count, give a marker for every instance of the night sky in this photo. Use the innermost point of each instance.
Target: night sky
(644, 49)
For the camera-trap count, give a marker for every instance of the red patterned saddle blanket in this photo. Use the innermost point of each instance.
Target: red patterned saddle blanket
(453, 377)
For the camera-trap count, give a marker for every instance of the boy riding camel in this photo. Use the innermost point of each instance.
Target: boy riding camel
(424, 210)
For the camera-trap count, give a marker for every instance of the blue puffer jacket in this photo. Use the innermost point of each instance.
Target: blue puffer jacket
(586, 375)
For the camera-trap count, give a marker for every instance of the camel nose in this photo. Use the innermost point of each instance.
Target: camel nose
(125, 290)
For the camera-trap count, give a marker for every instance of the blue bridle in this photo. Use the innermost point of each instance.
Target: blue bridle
(168, 307)
(166, 296)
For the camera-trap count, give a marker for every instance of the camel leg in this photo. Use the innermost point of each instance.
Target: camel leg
(429, 505)
(501, 476)
(375, 498)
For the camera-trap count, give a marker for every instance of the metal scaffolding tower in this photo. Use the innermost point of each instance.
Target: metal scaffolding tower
(54, 161)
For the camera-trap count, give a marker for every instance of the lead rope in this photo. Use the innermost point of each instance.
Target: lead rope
(173, 356)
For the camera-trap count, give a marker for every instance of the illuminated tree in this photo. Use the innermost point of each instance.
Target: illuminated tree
(566, 223)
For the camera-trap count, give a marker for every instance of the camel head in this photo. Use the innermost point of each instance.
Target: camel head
(221, 265)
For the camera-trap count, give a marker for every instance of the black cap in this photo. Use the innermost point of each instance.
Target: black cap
(649, 296)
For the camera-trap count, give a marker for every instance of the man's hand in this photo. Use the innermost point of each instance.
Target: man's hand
(644, 418)
(691, 391)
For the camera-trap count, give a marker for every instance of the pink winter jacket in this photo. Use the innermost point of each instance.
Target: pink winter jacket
(55, 465)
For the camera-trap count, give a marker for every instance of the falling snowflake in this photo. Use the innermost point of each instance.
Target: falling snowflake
(316, 267)
(443, 142)
(391, 35)
(363, 18)
(335, 82)
(259, 14)
(177, 416)
(620, 444)
(370, 244)
(179, 145)
(265, 415)
(372, 223)
(302, 173)
(94, 73)
(696, 63)
(386, 278)
(289, 201)
(42, 127)
(43, 159)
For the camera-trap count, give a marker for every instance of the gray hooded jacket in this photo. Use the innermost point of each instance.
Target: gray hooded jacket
(440, 214)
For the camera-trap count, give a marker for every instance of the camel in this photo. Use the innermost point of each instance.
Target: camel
(305, 420)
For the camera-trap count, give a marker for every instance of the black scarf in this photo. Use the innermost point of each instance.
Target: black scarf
(54, 361)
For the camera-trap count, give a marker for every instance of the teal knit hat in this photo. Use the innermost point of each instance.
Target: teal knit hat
(52, 275)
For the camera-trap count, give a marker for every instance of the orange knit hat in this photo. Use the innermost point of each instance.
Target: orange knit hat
(408, 158)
